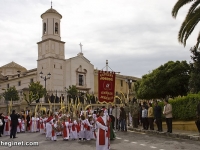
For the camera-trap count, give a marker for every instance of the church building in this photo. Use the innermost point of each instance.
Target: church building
(54, 71)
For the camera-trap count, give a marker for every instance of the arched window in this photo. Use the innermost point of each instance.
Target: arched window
(56, 28)
(44, 28)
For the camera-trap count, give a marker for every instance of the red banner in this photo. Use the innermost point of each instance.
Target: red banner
(106, 89)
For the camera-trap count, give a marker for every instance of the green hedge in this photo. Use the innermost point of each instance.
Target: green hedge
(184, 108)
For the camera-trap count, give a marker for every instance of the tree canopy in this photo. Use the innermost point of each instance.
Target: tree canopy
(194, 82)
(170, 79)
(36, 91)
(11, 94)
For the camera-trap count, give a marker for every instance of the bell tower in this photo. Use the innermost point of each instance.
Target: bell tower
(51, 24)
(51, 50)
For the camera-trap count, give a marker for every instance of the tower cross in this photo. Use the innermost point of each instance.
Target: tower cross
(51, 4)
(81, 47)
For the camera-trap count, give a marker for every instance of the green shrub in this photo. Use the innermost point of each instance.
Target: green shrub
(184, 108)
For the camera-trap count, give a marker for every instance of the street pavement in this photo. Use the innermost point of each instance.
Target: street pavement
(131, 140)
(190, 135)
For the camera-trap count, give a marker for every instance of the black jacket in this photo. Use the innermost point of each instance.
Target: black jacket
(157, 112)
(14, 119)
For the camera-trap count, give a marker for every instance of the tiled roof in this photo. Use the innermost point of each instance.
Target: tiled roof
(51, 10)
(13, 65)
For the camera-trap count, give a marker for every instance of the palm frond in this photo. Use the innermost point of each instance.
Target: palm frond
(193, 7)
(178, 5)
(188, 26)
(198, 41)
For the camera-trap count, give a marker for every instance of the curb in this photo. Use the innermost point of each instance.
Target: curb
(173, 135)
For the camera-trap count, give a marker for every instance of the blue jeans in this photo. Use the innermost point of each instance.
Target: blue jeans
(123, 125)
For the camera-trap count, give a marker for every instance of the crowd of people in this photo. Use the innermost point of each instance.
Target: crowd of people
(80, 125)
(146, 115)
(91, 124)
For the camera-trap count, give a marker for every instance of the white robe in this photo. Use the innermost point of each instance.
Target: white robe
(73, 134)
(42, 130)
(105, 128)
(82, 130)
(49, 129)
(23, 126)
(19, 126)
(67, 128)
(54, 138)
(33, 124)
(88, 133)
(7, 121)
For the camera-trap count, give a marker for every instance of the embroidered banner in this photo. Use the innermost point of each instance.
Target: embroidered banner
(106, 90)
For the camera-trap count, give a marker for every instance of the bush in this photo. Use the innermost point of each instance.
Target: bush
(184, 108)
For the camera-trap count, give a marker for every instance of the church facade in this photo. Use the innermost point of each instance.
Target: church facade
(57, 72)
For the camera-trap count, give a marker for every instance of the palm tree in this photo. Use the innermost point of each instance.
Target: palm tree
(191, 20)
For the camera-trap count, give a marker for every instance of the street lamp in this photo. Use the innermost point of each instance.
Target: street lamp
(45, 78)
(129, 82)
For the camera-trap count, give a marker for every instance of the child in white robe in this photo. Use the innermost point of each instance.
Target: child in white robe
(19, 126)
(73, 134)
(88, 131)
(42, 126)
(83, 127)
(6, 130)
(54, 127)
(65, 132)
(23, 125)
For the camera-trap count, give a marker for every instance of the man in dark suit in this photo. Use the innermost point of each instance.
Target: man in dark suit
(14, 122)
(158, 116)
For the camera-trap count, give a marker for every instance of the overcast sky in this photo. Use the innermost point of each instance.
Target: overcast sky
(134, 36)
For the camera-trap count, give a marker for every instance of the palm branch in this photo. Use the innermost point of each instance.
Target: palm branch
(191, 20)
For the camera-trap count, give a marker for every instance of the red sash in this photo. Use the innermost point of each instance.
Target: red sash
(88, 128)
(78, 127)
(101, 132)
(85, 126)
(108, 133)
(73, 127)
(64, 130)
(7, 126)
(41, 125)
(20, 125)
(49, 119)
(53, 132)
